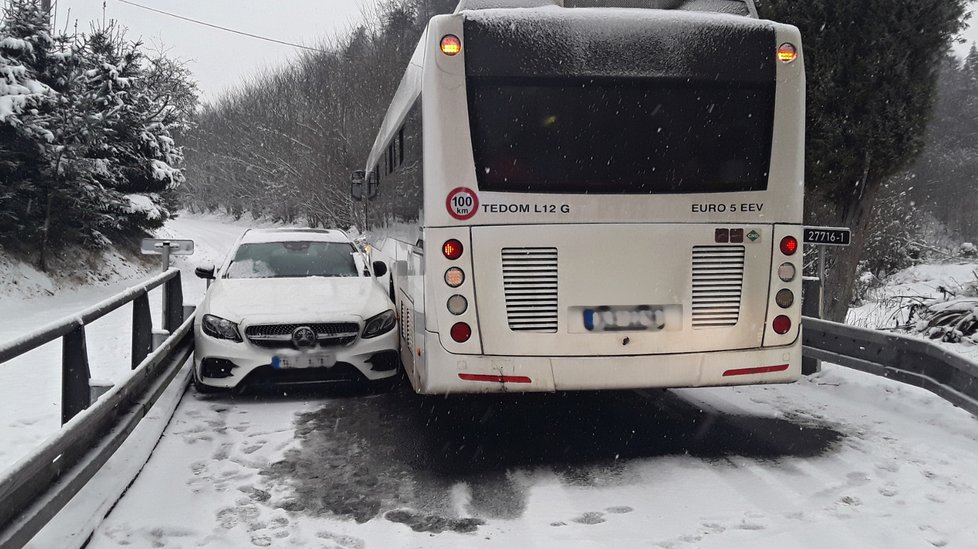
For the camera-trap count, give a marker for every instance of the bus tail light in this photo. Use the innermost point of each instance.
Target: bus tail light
(451, 45)
(461, 332)
(452, 249)
(781, 324)
(789, 245)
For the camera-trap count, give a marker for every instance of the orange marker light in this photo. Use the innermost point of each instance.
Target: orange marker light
(452, 249)
(787, 53)
(450, 44)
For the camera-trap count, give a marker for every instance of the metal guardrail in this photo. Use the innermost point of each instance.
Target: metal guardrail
(38, 486)
(75, 373)
(910, 360)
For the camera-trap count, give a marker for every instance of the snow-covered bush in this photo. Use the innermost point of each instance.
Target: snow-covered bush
(952, 318)
(866, 282)
(954, 321)
(968, 249)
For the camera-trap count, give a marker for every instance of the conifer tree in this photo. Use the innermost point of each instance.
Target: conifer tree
(87, 122)
(871, 69)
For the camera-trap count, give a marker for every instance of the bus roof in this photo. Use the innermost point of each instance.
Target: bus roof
(255, 236)
(732, 7)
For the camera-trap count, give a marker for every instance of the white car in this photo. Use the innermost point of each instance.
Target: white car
(294, 306)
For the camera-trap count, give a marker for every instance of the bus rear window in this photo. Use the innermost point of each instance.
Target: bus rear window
(620, 136)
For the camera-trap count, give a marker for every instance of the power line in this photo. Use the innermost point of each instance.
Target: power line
(222, 28)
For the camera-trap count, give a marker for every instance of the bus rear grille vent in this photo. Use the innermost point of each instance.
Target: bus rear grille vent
(718, 282)
(530, 287)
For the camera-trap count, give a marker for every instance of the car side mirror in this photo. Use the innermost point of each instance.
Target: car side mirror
(206, 272)
(373, 185)
(380, 268)
(356, 185)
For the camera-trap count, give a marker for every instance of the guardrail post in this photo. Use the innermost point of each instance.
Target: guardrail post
(142, 329)
(159, 336)
(98, 388)
(188, 311)
(172, 304)
(811, 306)
(75, 394)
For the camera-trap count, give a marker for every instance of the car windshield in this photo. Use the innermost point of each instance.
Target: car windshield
(293, 260)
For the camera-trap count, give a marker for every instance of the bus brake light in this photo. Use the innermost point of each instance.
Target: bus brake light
(789, 245)
(787, 53)
(450, 44)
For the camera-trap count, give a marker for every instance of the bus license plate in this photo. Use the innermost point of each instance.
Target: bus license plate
(307, 360)
(649, 318)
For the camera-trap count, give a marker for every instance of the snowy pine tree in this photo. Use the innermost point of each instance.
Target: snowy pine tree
(24, 43)
(87, 150)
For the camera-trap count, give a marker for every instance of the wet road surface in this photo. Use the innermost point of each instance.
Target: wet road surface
(361, 457)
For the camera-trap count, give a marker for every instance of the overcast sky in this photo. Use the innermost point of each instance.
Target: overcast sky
(221, 59)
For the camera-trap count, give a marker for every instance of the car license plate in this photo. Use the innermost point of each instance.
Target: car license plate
(638, 318)
(305, 360)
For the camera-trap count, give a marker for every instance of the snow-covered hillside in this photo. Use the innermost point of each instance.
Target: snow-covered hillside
(30, 385)
(888, 305)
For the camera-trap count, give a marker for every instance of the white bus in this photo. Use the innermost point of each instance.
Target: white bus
(575, 198)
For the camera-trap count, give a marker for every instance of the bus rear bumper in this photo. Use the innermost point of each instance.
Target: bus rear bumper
(451, 373)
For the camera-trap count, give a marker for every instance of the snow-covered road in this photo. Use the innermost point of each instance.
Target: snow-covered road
(842, 459)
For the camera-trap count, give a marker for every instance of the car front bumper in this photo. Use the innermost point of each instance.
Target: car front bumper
(370, 357)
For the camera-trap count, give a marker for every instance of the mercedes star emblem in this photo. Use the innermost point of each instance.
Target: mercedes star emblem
(303, 336)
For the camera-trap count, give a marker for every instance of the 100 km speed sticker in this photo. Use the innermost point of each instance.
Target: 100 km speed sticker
(462, 203)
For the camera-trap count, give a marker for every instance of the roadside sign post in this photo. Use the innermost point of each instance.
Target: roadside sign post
(826, 236)
(820, 237)
(166, 247)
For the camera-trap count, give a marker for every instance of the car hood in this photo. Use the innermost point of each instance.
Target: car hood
(305, 299)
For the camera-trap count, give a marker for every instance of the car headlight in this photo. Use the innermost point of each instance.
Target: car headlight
(220, 328)
(380, 324)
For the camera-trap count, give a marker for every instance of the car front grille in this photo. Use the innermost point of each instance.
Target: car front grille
(279, 336)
